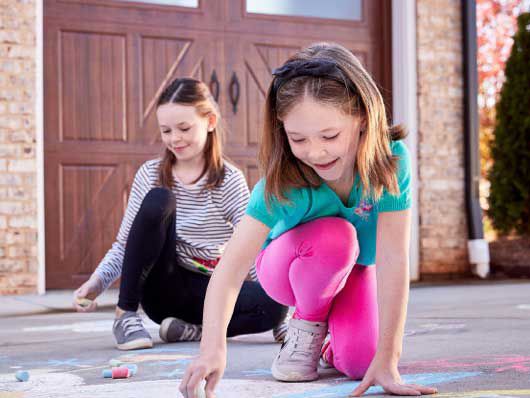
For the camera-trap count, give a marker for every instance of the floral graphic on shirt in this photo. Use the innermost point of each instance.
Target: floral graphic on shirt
(364, 209)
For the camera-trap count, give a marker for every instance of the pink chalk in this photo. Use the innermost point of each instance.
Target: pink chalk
(120, 373)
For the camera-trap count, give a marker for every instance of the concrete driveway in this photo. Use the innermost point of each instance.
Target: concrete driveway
(470, 340)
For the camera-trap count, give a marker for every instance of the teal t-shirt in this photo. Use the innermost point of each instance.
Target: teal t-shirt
(307, 204)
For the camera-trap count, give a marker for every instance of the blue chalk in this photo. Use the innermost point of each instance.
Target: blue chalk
(107, 373)
(133, 368)
(22, 375)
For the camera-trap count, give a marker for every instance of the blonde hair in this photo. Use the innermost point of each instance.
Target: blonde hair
(193, 92)
(355, 93)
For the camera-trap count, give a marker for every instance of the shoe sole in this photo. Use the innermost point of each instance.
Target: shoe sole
(293, 376)
(135, 344)
(164, 326)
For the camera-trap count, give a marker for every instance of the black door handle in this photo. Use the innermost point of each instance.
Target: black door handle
(214, 86)
(233, 90)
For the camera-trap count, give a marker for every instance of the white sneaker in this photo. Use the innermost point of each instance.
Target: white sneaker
(299, 354)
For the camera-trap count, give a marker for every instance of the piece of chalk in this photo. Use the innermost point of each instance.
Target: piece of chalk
(133, 368)
(22, 375)
(83, 302)
(115, 363)
(201, 389)
(120, 373)
(107, 373)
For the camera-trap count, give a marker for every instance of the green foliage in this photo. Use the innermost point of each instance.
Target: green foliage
(509, 200)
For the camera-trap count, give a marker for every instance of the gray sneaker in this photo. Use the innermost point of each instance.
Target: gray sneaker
(129, 332)
(299, 354)
(174, 329)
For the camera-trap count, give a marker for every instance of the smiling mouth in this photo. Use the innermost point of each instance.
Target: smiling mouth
(326, 166)
(180, 148)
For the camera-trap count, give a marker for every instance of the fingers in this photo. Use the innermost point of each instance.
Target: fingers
(408, 389)
(424, 390)
(82, 304)
(211, 382)
(75, 303)
(361, 388)
(401, 389)
(190, 381)
(184, 382)
(194, 382)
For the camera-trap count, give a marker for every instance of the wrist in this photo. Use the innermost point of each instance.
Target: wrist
(391, 355)
(209, 348)
(97, 284)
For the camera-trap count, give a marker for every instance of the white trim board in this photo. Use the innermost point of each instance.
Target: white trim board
(39, 132)
(405, 104)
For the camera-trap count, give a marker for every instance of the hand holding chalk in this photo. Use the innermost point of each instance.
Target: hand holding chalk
(85, 295)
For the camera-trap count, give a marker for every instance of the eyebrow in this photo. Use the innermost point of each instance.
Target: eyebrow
(326, 130)
(178, 124)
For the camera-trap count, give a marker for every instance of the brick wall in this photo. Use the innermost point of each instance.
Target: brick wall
(443, 231)
(18, 194)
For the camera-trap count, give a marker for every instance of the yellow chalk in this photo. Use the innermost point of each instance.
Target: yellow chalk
(83, 302)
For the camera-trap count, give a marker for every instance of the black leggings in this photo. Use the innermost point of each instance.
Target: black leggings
(152, 276)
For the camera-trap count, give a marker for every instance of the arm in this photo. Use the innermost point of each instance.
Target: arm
(392, 262)
(221, 296)
(235, 197)
(109, 269)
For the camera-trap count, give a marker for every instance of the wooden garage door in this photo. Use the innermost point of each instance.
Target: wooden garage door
(105, 64)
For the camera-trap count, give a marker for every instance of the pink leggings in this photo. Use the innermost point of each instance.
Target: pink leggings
(312, 268)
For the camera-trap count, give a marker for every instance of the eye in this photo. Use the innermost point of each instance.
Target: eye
(298, 141)
(184, 129)
(332, 137)
(166, 131)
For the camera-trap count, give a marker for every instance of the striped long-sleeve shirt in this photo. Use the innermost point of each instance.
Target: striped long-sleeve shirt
(205, 219)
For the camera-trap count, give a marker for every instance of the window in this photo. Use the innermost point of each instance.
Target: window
(340, 9)
(180, 3)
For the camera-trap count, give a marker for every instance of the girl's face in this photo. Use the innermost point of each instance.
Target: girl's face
(324, 138)
(183, 130)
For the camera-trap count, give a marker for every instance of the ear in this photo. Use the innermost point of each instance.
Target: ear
(212, 122)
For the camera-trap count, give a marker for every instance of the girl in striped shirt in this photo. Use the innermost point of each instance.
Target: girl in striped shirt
(182, 210)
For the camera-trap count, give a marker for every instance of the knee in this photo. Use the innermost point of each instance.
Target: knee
(354, 361)
(158, 204)
(335, 238)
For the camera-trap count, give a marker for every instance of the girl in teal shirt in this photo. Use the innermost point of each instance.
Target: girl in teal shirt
(334, 202)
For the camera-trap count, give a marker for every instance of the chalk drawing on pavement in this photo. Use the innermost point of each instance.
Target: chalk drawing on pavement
(486, 394)
(495, 363)
(85, 327)
(436, 327)
(344, 389)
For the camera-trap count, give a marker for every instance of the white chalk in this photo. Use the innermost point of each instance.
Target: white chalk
(201, 389)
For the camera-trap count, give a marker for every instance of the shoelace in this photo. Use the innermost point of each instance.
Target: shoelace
(131, 325)
(304, 343)
(190, 332)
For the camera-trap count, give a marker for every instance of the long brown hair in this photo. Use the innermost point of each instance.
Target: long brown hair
(355, 93)
(187, 91)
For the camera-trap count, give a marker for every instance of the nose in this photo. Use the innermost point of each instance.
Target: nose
(316, 151)
(176, 136)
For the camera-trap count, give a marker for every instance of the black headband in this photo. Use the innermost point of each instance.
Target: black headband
(319, 67)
